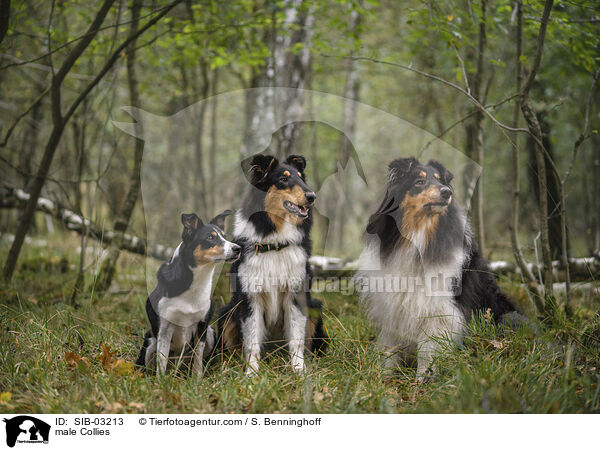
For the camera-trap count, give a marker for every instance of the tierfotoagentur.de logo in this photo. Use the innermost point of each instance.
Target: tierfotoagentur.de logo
(26, 430)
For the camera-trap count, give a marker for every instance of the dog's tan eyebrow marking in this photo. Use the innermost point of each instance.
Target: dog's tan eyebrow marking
(436, 176)
(422, 174)
(214, 233)
(286, 173)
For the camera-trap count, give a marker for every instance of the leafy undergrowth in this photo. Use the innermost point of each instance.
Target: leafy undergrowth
(57, 358)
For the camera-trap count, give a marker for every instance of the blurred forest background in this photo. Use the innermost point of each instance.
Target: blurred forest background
(509, 84)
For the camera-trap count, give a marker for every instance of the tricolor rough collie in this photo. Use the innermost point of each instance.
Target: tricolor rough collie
(271, 299)
(421, 274)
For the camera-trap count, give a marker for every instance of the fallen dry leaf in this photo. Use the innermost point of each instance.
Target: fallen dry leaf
(76, 361)
(122, 367)
(5, 397)
(107, 357)
(114, 365)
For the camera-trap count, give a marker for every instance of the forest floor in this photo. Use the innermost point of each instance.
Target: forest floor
(57, 358)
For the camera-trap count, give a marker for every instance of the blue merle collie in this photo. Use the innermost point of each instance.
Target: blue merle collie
(271, 281)
(179, 309)
(419, 247)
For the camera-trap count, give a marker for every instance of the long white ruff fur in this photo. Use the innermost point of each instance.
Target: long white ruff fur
(411, 302)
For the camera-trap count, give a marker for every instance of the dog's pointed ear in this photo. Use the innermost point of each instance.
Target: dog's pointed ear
(258, 167)
(445, 175)
(219, 220)
(190, 222)
(298, 161)
(401, 166)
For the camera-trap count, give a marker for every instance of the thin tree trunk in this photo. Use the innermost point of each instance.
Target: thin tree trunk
(564, 249)
(109, 264)
(475, 132)
(79, 138)
(516, 168)
(351, 91)
(589, 214)
(80, 270)
(536, 131)
(213, 141)
(596, 196)
(30, 143)
(253, 103)
(200, 112)
(4, 18)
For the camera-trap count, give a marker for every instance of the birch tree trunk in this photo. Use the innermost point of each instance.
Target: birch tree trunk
(213, 141)
(292, 70)
(288, 65)
(351, 91)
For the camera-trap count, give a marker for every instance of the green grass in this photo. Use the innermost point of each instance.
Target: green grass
(557, 370)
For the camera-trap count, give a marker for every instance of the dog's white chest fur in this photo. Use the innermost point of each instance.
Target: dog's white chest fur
(190, 307)
(410, 303)
(269, 278)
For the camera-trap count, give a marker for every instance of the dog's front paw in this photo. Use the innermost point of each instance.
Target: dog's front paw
(252, 369)
(424, 376)
(298, 365)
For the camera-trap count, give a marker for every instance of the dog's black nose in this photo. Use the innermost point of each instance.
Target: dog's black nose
(236, 249)
(445, 193)
(310, 197)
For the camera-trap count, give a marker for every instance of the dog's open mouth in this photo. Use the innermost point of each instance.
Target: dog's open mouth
(300, 211)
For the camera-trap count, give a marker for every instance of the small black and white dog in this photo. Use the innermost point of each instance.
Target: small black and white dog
(419, 241)
(271, 281)
(179, 309)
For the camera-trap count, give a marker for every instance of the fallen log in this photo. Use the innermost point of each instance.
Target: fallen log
(12, 197)
(582, 269)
